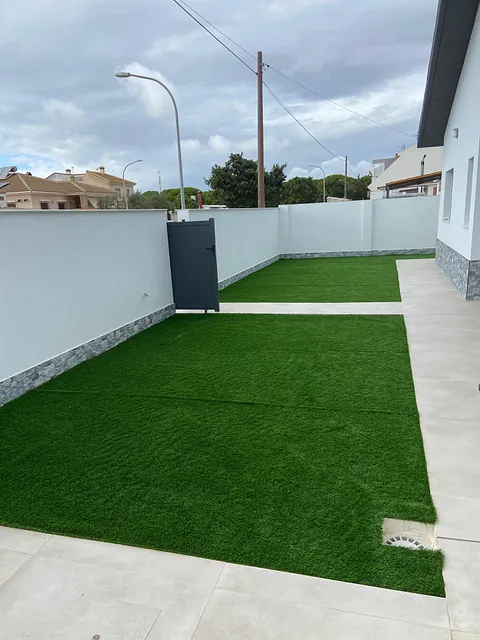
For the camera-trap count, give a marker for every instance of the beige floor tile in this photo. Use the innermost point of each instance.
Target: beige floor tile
(458, 517)
(111, 620)
(142, 561)
(462, 582)
(459, 635)
(447, 402)
(344, 596)
(307, 308)
(447, 366)
(10, 562)
(181, 603)
(239, 616)
(36, 598)
(21, 540)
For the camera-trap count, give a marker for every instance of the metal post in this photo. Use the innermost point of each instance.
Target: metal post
(345, 190)
(123, 180)
(261, 145)
(126, 74)
(316, 166)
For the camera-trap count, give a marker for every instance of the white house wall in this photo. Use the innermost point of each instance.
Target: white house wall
(408, 165)
(453, 234)
(75, 283)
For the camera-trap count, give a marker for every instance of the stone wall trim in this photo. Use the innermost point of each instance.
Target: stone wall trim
(223, 284)
(454, 266)
(20, 383)
(358, 254)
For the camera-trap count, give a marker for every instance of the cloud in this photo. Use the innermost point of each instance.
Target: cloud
(153, 97)
(62, 106)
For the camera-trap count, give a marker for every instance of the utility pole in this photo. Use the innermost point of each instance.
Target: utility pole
(345, 190)
(159, 183)
(261, 147)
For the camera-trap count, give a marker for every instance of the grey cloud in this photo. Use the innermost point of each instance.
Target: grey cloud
(64, 55)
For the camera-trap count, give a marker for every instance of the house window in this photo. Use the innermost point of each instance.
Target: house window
(468, 195)
(447, 202)
(44, 205)
(12, 205)
(118, 190)
(62, 205)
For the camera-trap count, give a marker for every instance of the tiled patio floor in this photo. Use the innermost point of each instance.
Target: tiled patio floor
(54, 587)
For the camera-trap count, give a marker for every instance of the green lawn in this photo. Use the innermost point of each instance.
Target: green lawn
(273, 441)
(369, 279)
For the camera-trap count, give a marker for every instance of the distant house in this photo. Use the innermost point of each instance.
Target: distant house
(450, 119)
(409, 169)
(24, 191)
(97, 178)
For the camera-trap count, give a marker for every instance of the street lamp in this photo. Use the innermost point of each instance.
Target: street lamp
(317, 167)
(126, 74)
(123, 179)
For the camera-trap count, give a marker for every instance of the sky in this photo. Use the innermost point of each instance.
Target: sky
(61, 106)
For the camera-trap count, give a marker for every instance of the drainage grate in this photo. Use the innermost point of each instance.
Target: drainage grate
(411, 535)
(404, 541)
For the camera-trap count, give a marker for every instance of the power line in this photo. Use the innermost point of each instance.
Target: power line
(337, 104)
(284, 106)
(214, 36)
(274, 95)
(219, 31)
(284, 75)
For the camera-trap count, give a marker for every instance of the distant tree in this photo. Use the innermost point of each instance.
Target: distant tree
(191, 199)
(236, 183)
(274, 182)
(358, 187)
(299, 190)
(150, 200)
(109, 202)
(335, 185)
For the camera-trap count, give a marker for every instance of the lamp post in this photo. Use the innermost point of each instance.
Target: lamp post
(126, 74)
(324, 191)
(123, 180)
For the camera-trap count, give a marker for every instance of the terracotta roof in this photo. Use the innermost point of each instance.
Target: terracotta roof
(21, 182)
(108, 176)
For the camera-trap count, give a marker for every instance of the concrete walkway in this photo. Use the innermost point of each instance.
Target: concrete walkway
(444, 342)
(72, 589)
(314, 308)
(64, 588)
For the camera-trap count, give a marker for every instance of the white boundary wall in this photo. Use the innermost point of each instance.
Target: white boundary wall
(244, 237)
(67, 277)
(248, 237)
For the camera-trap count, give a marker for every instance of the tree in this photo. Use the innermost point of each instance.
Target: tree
(299, 190)
(274, 181)
(109, 202)
(191, 197)
(236, 183)
(150, 200)
(358, 187)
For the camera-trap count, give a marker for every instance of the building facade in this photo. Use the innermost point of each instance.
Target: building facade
(409, 164)
(451, 118)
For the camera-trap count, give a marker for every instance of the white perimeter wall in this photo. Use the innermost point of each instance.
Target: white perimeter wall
(405, 223)
(365, 225)
(465, 117)
(69, 277)
(244, 237)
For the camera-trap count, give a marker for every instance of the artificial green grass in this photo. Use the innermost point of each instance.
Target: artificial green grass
(367, 279)
(273, 441)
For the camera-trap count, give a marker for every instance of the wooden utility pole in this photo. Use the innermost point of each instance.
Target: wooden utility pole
(345, 190)
(261, 147)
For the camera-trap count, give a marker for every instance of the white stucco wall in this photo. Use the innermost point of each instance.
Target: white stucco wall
(244, 237)
(320, 227)
(464, 116)
(405, 223)
(66, 278)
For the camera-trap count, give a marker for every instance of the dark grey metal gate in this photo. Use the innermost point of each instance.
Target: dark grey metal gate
(193, 262)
